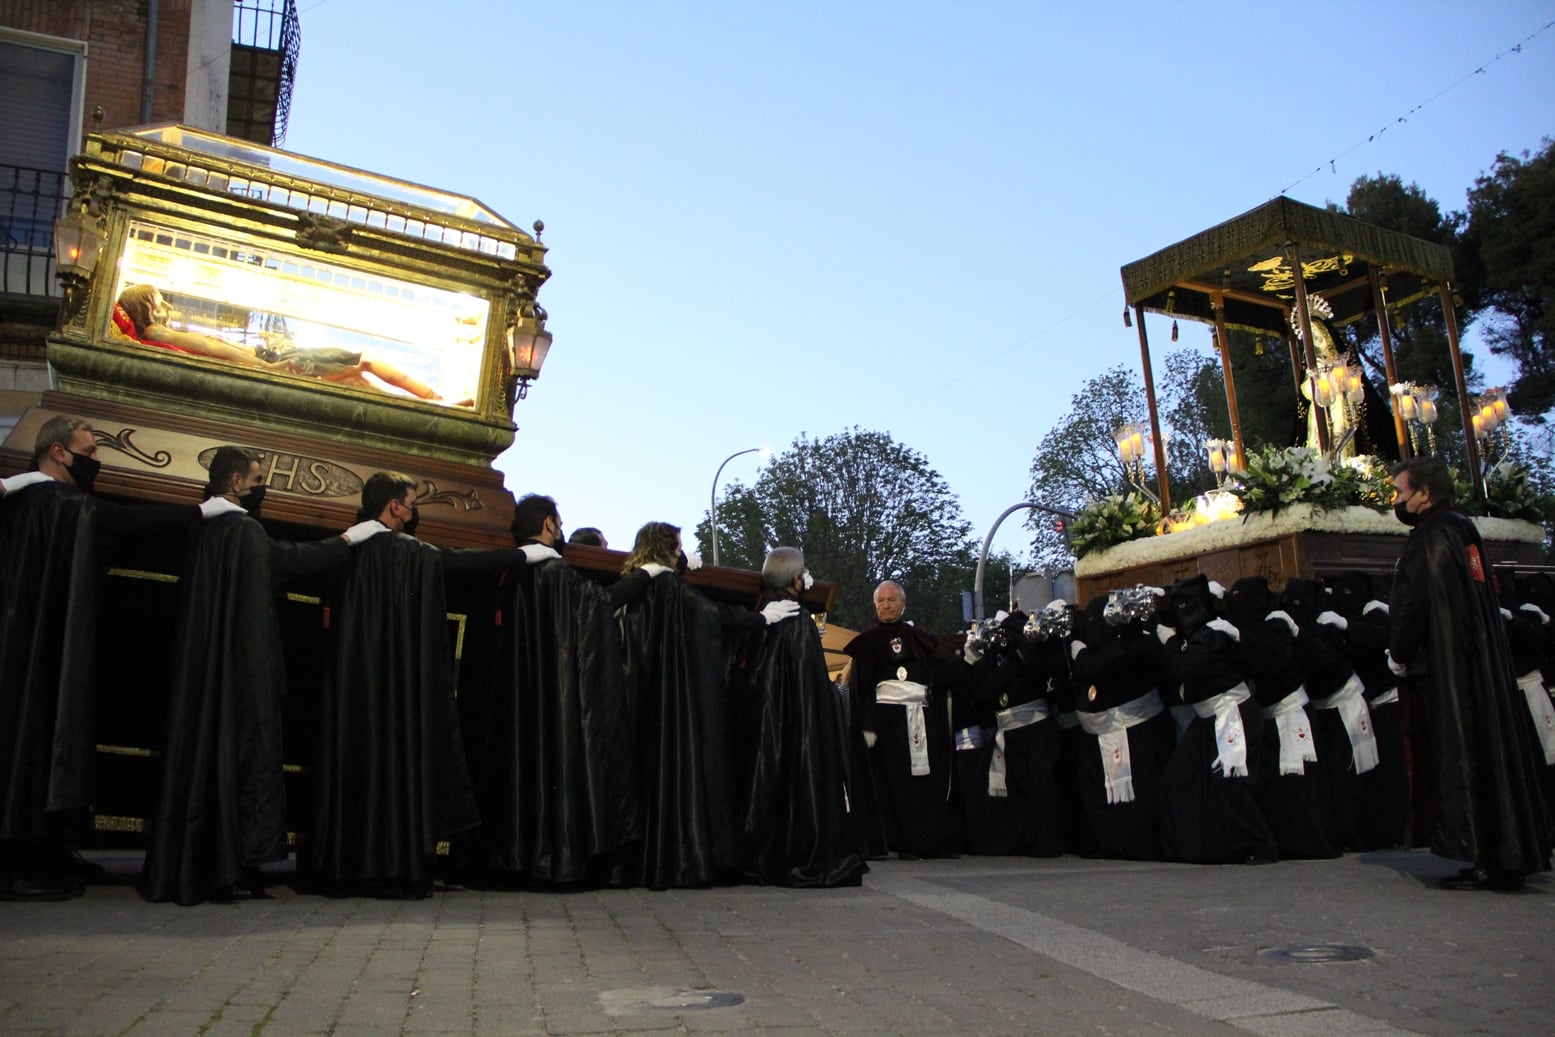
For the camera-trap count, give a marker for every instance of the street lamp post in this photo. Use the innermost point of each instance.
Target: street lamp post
(982, 556)
(713, 501)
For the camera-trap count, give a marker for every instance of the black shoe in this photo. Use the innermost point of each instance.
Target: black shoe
(18, 888)
(1504, 881)
(1463, 879)
(66, 861)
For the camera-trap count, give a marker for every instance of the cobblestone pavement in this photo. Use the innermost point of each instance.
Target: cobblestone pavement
(970, 946)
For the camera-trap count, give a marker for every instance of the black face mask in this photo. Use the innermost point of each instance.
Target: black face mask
(252, 500)
(1408, 518)
(409, 529)
(84, 470)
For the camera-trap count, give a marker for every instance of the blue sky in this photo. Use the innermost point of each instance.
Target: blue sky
(774, 218)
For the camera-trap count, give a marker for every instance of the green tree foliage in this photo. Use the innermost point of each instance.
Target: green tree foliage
(863, 508)
(1265, 391)
(1510, 245)
(1194, 390)
(1419, 330)
(1078, 458)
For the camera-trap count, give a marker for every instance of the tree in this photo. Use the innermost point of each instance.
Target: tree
(1194, 391)
(1078, 458)
(1419, 331)
(862, 507)
(1510, 243)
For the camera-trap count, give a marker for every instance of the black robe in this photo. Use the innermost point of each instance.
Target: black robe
(551, 743)
(1385, 794)
(1032, 822)
(48, 571)
(1447, 630)
(222, 805)
(391, 775)
(1325, 664)
(917, 810)
(987, 825)
(1525, 638)
(789, 750)
(1208, 817)
(1113, 666)
(49, 557)
(673, 646)
(1295, 805)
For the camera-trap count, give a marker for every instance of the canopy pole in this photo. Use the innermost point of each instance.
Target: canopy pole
(1380, 303)
(1219, 301)
(1304, 322)
(1465, 406)
(1155, 416)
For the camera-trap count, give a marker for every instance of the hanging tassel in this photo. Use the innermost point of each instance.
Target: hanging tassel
(1174, 331)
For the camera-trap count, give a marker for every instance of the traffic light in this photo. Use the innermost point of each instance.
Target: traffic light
(1061, 527)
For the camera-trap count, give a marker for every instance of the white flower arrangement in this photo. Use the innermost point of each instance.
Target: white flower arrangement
(1262, 526)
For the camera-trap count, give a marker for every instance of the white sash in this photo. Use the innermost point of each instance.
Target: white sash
(1543, 712)
(1387, 698)
(1023, 715)
(1295, 728)
(1230, 736)
(913, 697)
(1110, 727)
(971, 738)
(1068, 720)
(1356, 718)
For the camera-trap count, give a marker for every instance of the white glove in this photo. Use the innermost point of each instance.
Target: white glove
(1375, 605)
(809, 581)
(1333, 619)
(21, 482)
(1075, 648)
(1164, 633)
(534, 554)
(655, 569)
(213, 506)
(774, 611)
(1529, 606)
(1217, 590)
(970, 653)
(1399, 669)
(1225, 626)
(1159, 592)
(1506, 614)
(693, 561)
(1056, 605)
(1287, 619)
(869, 739)
(363, 531)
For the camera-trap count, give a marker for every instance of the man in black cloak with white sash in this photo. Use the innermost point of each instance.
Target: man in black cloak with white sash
(222, 808)
(1459, 689)
(1292, 798)
(1342, 729)
(52, 535)
(391, 776)
(900, 688)
(551, 741)
(1208, 812)
(1126, 733)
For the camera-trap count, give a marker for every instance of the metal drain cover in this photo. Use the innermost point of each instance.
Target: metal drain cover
(1316, 953)
(666, 999)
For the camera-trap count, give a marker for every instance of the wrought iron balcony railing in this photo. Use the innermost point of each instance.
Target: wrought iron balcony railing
(265, 41)
(30, 201)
